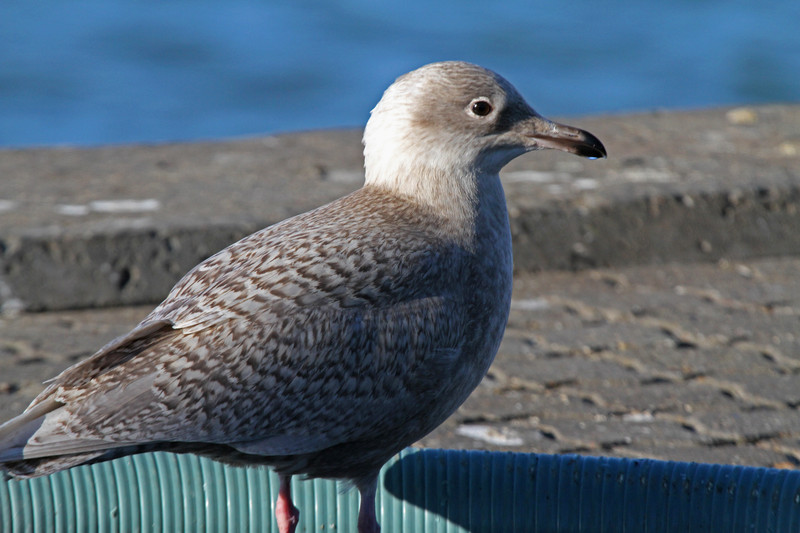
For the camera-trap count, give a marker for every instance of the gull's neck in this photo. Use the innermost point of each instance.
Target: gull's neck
(450, 193)
(419, 164)
(463, 199)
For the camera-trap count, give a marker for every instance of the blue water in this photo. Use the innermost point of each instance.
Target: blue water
(116, 71)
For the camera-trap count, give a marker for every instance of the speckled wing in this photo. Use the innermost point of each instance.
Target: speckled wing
(326, 328)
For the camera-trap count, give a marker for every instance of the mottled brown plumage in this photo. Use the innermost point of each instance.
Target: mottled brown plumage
(326, 343)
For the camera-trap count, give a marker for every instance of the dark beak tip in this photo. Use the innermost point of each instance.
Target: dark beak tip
(591, 147)
(592, 151)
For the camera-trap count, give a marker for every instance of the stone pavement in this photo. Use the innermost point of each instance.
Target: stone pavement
(695, 362)
(657, 301)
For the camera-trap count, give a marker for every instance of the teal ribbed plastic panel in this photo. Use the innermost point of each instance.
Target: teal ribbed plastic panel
(421, 491)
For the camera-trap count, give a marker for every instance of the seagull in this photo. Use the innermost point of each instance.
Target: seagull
(324, 344)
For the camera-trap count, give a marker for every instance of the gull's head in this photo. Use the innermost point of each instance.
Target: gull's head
(458, 118)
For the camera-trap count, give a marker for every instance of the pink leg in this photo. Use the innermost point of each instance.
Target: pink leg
(285, 511)
(367, 520)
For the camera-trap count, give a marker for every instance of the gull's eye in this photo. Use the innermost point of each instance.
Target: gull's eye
(480, 107)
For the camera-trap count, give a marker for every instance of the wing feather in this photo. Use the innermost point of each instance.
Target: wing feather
(272, 346)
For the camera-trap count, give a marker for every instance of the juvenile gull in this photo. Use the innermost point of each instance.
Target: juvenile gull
(326, 343)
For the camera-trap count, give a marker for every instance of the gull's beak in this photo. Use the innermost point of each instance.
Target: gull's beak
(541, 133)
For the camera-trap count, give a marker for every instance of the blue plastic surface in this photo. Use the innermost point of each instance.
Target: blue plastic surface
(441, 491)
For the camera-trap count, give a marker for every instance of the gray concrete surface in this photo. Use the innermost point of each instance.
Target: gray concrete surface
(657, 300)
(82, 228)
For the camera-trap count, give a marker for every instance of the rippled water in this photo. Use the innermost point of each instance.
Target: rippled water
(98, 72)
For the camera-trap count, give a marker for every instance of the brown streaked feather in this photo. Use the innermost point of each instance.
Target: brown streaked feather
(238, 360)
(113, 354)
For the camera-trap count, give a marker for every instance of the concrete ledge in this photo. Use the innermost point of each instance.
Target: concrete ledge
(119, 225)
